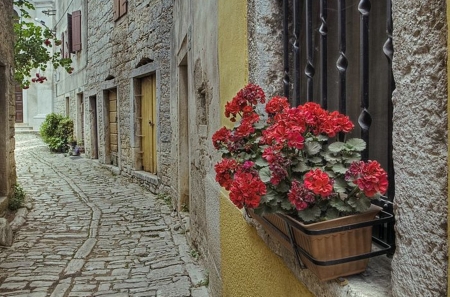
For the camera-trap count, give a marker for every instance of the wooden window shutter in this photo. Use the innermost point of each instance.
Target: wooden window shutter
(63, 44)
(123, 7)
(116, 9)
(76, 31)
(69, 31)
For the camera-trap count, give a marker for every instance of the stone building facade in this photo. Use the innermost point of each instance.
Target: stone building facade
(70, 20)
(7, 110)
(128, 90)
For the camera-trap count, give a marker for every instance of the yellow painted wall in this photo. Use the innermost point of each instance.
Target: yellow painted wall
(248, 267)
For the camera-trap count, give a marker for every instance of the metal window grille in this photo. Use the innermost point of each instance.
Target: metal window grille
(339, 54)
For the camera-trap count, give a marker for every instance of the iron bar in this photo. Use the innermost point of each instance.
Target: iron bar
(342, 62)
(365, 119)
(309, 69)
(323, 30)
(388, 50)
(296, 52)
(286, 80)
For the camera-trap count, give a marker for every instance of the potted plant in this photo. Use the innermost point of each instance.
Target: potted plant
(294, 167)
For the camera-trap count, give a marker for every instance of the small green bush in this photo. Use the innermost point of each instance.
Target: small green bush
(17, 199)
(57, 132)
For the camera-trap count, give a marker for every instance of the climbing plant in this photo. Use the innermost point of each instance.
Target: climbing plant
(32, 47)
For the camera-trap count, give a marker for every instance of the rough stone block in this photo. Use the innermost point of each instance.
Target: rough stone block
(6, 235)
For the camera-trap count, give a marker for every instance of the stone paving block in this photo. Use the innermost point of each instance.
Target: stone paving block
(13, 286)
(60, 290)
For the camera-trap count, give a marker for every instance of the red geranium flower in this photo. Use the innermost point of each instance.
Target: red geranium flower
(318, 182)
(247, 189)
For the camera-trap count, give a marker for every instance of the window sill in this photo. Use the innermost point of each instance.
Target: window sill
(374, 282)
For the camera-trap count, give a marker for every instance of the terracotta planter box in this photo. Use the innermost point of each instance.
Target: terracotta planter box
(318, 251)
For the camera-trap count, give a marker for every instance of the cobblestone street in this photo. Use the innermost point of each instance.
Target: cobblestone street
(92, 233)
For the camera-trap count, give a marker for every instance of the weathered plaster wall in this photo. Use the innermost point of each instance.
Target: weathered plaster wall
(117, 49)
(419, 266)
(7, 109)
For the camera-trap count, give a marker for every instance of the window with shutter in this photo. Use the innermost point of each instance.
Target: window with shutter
(63, 44)
(120, 8)
(69, 33)
(123, 7)
(116, 9)
(76, 31)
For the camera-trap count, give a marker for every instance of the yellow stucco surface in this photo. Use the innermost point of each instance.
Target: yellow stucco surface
(248, 267)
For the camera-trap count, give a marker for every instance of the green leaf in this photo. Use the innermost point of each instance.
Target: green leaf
(315, 160)
(339, 185)
(301, 167)
(270, 195)
(339, 168)
(336, 147)
(286, 205)
(312, 148)
(340, 205)
(359, 204)
(309, 214)
(321, 137)
(354, 157)
(332, 213)
(357, 144)
(330, 157)
(283, 187)
(265, 174)
(261, 162)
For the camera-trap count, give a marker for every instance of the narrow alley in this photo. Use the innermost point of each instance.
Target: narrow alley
(92, 233)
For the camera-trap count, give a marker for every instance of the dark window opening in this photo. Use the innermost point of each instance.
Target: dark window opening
(339, 54)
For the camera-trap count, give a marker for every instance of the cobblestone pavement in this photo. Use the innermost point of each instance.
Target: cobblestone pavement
(91, 233)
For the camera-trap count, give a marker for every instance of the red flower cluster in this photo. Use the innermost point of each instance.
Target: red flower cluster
(277, 165)
(321, 121)
(277, 105)
(244, 102)
(39, 78)
(225, 170)
(286, 130)
(247, 189)
(285, 137)
(299, 196)
(319, 183)
(369, 177)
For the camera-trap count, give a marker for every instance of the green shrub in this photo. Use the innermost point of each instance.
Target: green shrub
(57, 132)
(17, 199)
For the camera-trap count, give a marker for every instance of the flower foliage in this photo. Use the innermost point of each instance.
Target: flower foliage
(32, 47)
(288, 159)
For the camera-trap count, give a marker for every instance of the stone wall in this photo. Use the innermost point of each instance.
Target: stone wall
(419, 267)
(119, 54)
(7, 104)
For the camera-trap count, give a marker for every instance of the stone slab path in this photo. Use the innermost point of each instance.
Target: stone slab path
(92, 233)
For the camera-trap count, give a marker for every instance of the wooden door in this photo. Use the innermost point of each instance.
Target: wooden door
(94, 128)
(19, 104)
(148, 123)
(113, 141)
